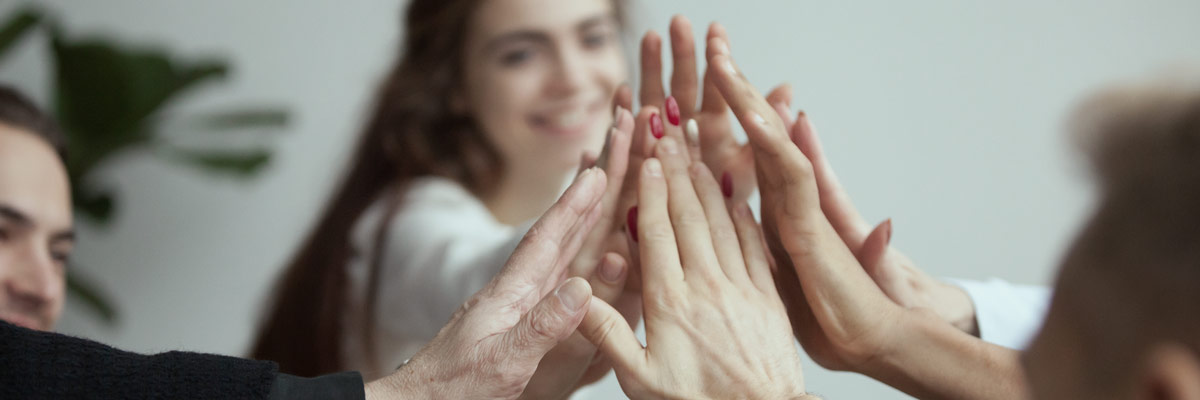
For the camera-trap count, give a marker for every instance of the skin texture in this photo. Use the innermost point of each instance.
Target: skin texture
(36, 237)
(841, 316)
(715, 327)
(493, 344)
(538, 79)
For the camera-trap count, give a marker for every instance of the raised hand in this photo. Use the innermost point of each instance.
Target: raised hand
(842, 318)
(715, 326)
(494, 342)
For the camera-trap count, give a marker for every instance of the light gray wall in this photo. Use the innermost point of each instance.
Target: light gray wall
(944, 115)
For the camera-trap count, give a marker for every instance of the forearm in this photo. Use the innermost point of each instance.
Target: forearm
(933, 360)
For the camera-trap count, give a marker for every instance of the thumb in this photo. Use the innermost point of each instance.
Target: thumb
(606, 328)
(870, 255)
(549, 322)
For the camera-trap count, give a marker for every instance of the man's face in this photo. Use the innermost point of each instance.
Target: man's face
(36, 236)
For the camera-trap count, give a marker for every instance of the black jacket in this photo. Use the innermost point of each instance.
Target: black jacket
(45, 365)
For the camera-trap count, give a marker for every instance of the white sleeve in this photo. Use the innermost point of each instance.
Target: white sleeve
(1008, 314)
(442, 246)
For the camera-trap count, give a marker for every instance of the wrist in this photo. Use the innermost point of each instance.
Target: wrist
(405, 383)
(959, 309)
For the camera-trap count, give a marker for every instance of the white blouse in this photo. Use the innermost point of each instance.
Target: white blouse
(445, 245)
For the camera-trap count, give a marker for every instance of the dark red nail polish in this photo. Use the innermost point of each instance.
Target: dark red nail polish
(727, 184)
(631, 222)
(656, 127)
(672, 111)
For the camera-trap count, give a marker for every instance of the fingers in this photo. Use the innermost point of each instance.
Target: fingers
(781, 96)
(651, 93)
(615, 161)
(780, 99)
(687, 216)
(713, 102)
(622, 97)
(553, 239)
(683, 74)
(549, 322)
(608, 282)
(836, 204)
(758, 265)
(661, 270)
(758, 118)
(870, 255)
(724, 235)
(607, 329)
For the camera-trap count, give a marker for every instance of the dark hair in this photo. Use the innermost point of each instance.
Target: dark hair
(18, 111)
(412, 132)
(1132, 278)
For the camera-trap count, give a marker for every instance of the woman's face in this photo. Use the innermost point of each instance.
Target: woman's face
(540, 76)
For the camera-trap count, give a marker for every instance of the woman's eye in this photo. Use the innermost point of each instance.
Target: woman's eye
(595, 40)
(515, 57)
(3, 235)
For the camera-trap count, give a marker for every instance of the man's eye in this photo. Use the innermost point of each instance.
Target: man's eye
(3, 235)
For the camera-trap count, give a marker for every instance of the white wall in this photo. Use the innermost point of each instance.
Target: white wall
(944, 115)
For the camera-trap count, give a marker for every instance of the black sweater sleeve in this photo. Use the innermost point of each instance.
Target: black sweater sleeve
(37, 365)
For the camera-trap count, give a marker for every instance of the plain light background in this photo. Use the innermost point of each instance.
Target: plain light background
(946, 116)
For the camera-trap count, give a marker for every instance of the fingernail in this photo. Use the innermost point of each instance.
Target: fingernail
(727, 64)
(668, 145)
(720, 46)
(727, 184)
(758, 119)
(653, 167)
(693, 132)
(631, 223)
(887, 235)
(656, 127)
(672, 111)
(611, 271)
(616, 116)
(573, 293)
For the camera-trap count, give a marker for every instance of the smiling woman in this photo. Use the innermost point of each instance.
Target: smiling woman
(475, 131)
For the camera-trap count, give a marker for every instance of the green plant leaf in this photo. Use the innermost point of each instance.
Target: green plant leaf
(91, 296)
(106, 94)
(95, 205)
(16, 27)
(241, 119)
(237, 163)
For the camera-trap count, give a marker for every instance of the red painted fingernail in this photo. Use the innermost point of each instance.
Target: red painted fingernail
(656, 127)
(672, 111)
(631, 222)
(727, 185)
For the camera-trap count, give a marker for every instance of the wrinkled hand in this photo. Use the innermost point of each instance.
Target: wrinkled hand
(494, 342)
(602, 261)
(842, 318)
(715, 326)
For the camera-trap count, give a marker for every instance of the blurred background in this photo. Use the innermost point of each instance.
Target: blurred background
(946, 116)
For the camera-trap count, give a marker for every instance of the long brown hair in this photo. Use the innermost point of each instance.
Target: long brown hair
(412, 132)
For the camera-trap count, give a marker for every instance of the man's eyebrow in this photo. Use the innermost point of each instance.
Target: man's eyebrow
(14, 215)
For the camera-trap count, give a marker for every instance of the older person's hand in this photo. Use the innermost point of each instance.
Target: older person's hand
(715, 326)
(492, 345)
(842, 318)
